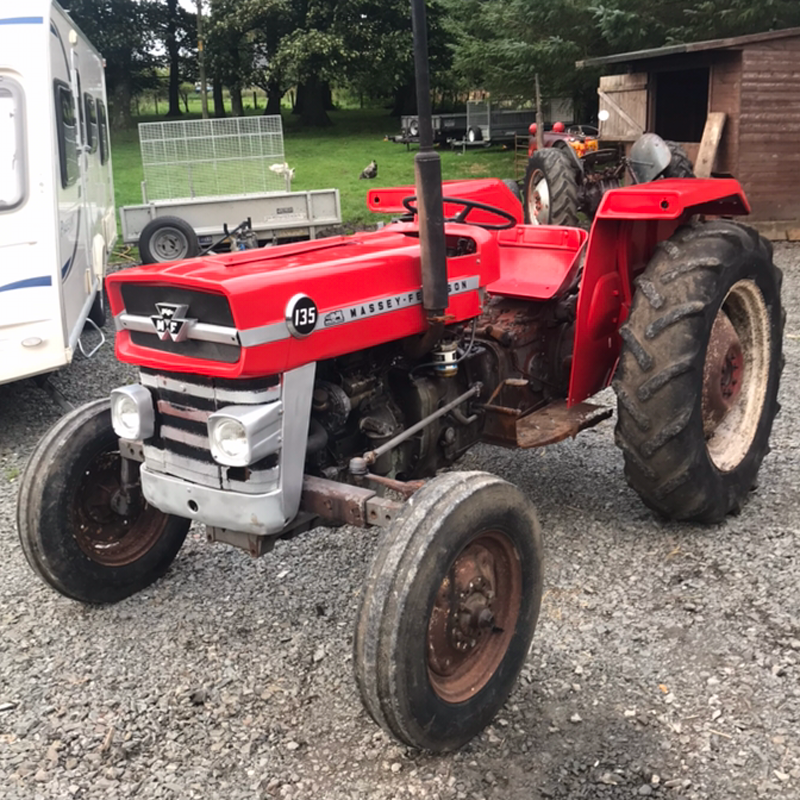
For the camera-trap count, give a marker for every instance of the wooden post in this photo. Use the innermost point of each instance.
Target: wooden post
(539, 117)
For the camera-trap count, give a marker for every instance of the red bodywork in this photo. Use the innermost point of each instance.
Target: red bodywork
(581, 143)
(345, 274)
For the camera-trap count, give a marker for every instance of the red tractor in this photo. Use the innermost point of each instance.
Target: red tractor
(330, 381)
(572, 173)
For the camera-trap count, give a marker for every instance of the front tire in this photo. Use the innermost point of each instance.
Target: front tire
(69, 531)
(699, 368)
(449, 610)
(550, 189)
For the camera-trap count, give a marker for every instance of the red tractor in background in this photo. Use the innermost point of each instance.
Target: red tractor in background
(329, 381)
(569, 177)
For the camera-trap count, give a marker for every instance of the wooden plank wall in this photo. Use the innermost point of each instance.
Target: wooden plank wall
(724, 95)
(769, 120)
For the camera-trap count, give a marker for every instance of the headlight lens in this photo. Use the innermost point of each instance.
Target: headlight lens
(231, 439)
(132, 413)
(241, 435)
(127, 416)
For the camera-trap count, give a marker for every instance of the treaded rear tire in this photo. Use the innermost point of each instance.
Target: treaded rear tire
(679, 165)
(702, 272)
(554, 168)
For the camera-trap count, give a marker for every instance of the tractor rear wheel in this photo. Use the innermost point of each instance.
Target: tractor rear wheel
(679, 165)
(449, 608)
(550, 189)
(699, 368)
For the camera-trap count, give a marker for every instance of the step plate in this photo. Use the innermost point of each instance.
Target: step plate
(555, 422)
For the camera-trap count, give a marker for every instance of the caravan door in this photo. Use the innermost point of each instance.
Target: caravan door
(71, 190)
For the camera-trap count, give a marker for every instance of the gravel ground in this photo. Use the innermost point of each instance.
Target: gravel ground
(666, 662)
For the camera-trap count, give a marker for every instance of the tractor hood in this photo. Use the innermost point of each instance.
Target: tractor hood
(262, 312)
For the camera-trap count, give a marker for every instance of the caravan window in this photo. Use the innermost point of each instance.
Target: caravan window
(67, 132)
(102, 120)
(91, 123)
(12, 138)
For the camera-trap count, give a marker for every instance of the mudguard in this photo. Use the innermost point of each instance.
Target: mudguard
(629, 223)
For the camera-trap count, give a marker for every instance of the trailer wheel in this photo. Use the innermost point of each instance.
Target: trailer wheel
(72, 529)
(679, 165)
(697, 381)
(167, 239)
(550, 189)
(448, 611)
(474, 134)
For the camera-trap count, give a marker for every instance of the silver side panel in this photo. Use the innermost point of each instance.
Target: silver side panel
(254, 507)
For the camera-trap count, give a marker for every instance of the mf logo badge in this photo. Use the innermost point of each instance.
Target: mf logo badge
(171, 322)
(301, 316)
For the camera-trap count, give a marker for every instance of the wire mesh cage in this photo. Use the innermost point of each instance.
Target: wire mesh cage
(479, 115)
(213, 157)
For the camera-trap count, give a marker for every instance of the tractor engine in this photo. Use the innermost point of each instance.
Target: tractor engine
(520, 353)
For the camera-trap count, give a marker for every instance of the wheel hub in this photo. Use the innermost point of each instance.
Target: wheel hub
(473, 617)
(723, 372)
(736, 375)
(103, 533)
(540, 196)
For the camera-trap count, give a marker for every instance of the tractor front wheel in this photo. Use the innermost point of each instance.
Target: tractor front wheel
(449, 610)
(79, 529)
(697, 381)
(550, 189)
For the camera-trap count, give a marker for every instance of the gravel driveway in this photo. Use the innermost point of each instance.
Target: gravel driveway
(666, 662)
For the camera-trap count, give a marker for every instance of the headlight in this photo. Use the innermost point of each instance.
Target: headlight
(132, 414)
(241, 435)
(230, 438)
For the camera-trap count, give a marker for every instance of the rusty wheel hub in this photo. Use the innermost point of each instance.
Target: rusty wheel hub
(736, 375)
(722, 375)
(474, 616)
(106, 536)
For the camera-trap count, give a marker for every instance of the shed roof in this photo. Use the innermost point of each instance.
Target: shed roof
(733, 42)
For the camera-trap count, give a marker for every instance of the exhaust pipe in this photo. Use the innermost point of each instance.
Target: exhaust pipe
(428, 181)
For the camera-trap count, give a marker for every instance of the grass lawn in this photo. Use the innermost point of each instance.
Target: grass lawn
(333, 158)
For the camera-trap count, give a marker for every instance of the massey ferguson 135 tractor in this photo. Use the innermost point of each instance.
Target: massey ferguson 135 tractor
(328, 381)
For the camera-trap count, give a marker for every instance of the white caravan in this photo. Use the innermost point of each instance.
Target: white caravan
(57, 219)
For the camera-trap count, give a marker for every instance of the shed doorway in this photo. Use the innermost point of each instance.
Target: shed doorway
(681, 104)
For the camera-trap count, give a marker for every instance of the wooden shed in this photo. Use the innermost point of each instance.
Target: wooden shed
(740, 97)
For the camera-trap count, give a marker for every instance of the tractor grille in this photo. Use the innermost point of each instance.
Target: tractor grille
(212, 335)
(180, 446)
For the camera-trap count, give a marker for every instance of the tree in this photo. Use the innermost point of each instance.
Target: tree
(123, 31)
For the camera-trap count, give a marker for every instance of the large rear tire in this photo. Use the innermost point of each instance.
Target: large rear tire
(550, 189)
(449, 610)
(71, 528)
(679, 165)
(698, 376)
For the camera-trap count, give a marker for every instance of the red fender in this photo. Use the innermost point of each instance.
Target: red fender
(629, 223)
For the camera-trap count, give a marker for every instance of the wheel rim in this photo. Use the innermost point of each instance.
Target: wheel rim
(474, 617)
(109, 538)
(735, 375)
(538, 199)
(170, 244)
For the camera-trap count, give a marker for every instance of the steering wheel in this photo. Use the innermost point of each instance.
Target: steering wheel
(467, 206)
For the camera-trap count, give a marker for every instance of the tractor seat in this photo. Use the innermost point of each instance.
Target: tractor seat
(536, 261)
